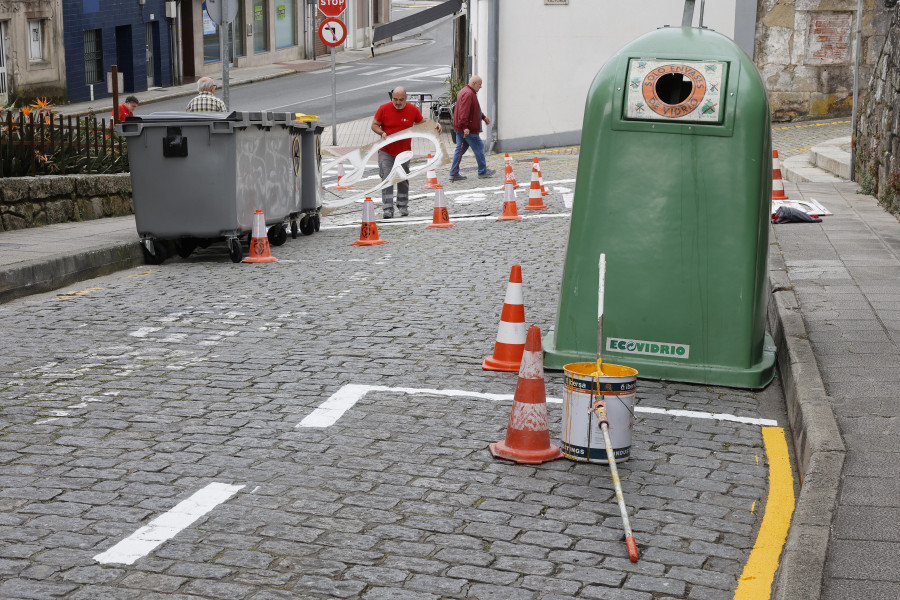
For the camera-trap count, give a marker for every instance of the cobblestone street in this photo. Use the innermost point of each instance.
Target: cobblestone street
(125, 395)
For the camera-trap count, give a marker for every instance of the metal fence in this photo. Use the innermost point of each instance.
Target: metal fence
(40, 143)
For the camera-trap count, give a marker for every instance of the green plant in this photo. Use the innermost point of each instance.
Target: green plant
(455, 87)
(866, 184)
(37, 142)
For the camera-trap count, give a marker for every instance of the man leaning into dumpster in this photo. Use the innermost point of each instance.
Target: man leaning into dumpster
(206, 100)
(390, 118)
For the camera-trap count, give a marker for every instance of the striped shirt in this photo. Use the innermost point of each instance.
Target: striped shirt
(205, 102)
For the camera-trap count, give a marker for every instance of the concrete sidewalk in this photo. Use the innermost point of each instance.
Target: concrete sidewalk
(834, 313)
(837, 285)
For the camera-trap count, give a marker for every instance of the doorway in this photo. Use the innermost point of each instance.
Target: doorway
(149, 39)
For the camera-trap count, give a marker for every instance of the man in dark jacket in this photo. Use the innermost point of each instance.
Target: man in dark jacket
(467, 118)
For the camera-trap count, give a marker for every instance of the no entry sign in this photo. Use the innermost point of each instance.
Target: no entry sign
(332, 8)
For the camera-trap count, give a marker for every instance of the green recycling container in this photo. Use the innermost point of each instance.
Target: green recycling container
(674, 186)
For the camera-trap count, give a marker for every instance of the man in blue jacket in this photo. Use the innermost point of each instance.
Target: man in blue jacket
(467, 118)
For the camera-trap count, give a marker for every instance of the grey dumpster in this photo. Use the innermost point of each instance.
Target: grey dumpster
(306, 153)
(198, 177)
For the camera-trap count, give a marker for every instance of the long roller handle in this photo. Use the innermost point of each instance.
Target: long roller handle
(600, 408)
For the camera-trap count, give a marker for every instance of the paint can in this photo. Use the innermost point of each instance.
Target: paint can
(581, 437)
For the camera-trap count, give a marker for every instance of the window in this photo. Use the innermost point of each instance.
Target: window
(93, 56)
(234, 36)
(36, 39)
(260, 26)
(284, 24)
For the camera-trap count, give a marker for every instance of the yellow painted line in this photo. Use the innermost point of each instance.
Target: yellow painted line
(144, 273)
(755, 582)
(811, 125)
(69, 295)
(547, 151)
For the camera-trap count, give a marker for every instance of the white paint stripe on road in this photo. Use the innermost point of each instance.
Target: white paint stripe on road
(143, 331)
(707, 415)
(453, 218)
(385, 70)
(439, 72)
(168, 525)
(340, 402)
(345, 398)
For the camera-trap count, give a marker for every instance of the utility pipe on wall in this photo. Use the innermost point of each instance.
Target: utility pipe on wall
(493, 70)
(854, 111)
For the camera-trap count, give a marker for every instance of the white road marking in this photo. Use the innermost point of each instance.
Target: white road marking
(439, 72)
(143, 331)
(706, 415)
(385, 70)
(453, 218)
(328, 413)
(168, 525)
(470, 198)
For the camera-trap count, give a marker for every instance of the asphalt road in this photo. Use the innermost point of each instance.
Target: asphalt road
(361, 86)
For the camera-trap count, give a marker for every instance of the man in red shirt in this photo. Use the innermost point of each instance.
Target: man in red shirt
(127, 108)
(390, 118)
(467, 118)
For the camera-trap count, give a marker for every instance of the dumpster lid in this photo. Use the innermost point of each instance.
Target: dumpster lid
(182, 116)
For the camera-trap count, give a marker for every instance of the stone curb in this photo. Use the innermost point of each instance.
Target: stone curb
(818, 446)
(47, 274)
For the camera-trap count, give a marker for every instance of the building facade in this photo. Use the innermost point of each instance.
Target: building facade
(806, 51)
(32, 60)
(263, 32)
(134, 35)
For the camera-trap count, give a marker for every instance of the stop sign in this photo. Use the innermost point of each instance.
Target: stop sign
(332, 8)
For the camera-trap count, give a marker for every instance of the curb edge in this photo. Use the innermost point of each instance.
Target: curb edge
(818, 446)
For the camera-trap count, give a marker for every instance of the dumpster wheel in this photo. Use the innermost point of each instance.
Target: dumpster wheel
(185, 246)
(317, 221)
(294, 229)
(234, 250)
(277, 234)
(307, 225)
(154, 252)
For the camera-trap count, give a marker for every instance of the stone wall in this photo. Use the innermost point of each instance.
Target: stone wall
(36, 201)
(805, 51)
(877, 140)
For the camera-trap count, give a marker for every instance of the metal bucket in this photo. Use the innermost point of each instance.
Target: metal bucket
(581, 437)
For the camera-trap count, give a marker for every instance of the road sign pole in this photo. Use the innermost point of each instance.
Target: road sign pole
(333, 101)
(223, 30)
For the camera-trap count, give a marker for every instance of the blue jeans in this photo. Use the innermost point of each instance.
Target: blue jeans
(463, 143)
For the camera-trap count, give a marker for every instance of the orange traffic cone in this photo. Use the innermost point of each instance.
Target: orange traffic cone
(777, 182)
(511, 333)
(508, 175)
(368, 233)
(340, 175)
(528, 433)
(441, 216)
(259, 241)
(535, 199)
(431, 182)
(509, 205)
(544, 191)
